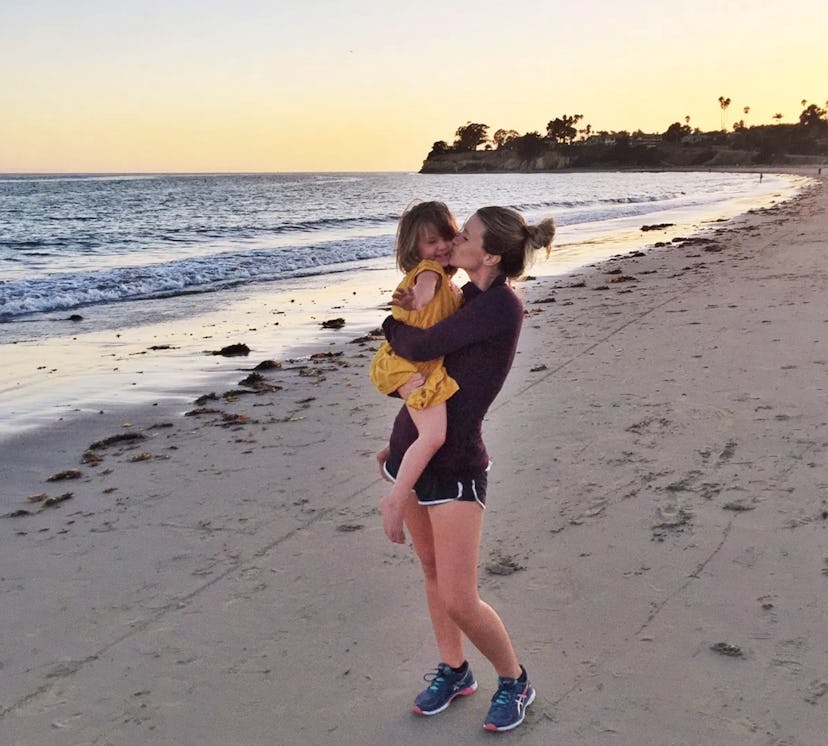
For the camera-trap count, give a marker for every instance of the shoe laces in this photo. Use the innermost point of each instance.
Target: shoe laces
(437, 677)
(505, 693)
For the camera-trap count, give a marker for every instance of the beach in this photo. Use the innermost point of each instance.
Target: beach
(215, 571)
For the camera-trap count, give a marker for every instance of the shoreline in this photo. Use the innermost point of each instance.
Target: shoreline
(86, 370)
(654, 538)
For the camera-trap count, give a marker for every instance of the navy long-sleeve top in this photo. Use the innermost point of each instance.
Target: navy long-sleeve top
(478, 343)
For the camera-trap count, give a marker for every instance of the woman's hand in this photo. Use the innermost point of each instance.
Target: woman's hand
(393, 512)
(411, 385)
(404, 298)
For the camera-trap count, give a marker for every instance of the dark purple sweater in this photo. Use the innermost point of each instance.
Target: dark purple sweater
(478, 342)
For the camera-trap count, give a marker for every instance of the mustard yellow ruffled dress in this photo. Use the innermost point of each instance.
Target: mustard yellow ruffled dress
(389, 371)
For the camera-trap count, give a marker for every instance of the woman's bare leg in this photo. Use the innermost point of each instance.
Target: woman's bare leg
(447, 634)
(456, 529)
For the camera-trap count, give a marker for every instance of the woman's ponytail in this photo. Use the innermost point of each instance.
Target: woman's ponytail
(541, 235)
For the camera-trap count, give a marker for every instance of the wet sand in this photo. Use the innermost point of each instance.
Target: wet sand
(655, 541)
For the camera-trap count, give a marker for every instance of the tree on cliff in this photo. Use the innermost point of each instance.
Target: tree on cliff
(813, 116)
(675, 132)
(529, 146)
(469, 136)
(724, 103)
(504, 137)
(439, 148)
(562, 129)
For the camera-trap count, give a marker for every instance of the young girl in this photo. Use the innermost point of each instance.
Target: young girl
(424, 237)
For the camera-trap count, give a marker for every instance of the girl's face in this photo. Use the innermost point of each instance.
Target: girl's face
(432, 245)
(467, 248)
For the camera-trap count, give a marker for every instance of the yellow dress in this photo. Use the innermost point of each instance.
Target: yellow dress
(389, 371)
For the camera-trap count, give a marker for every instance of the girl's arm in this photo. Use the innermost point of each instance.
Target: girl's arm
(488, 315)
(425, 288)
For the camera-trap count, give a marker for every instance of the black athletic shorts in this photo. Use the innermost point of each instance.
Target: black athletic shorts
(438, 489)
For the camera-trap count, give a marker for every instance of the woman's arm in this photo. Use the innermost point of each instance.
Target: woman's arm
(488, 315)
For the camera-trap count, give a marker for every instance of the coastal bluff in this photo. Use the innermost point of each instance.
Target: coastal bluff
(622, 152)
(636, 156)
(493, 161)
(565, 146)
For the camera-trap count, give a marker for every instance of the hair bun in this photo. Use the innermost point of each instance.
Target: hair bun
(542, 234)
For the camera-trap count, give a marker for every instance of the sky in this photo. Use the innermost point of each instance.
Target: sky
(370, 85)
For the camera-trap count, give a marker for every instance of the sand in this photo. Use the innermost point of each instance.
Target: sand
(655, 538)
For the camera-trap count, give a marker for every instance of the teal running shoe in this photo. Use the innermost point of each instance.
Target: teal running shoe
(444, 687)
(509, 703)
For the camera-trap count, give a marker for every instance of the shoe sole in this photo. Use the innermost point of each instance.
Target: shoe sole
(491, 727)
(462, 693)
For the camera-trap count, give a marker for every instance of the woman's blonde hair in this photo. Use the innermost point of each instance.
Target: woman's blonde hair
(414, 220)
(508, 235)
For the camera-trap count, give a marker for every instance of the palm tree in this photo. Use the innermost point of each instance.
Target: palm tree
(724, 103)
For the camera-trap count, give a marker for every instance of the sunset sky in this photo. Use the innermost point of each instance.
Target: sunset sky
(366, 85)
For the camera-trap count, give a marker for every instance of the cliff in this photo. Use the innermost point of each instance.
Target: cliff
(714, 151)
(492, 161)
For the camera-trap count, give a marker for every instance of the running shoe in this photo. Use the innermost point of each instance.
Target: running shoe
(445, 685)
(509, 703)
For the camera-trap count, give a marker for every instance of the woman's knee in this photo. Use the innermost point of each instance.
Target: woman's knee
(461, 607)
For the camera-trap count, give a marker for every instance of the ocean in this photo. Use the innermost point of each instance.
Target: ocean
(96, 263)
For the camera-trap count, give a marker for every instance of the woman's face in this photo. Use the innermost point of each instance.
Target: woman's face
(467, 248)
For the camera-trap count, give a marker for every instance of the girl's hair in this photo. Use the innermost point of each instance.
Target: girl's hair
(414, 220)
(508, 236)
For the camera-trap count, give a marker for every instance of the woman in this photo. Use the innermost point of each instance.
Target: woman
(444, 514)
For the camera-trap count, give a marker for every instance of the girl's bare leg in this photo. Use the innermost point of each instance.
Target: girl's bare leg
(456, 529)
(431, 429)
(431, 434)
(446, 632)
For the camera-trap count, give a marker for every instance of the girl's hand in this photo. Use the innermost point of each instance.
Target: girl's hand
(412, 384)
(404, 298)
(382, 457)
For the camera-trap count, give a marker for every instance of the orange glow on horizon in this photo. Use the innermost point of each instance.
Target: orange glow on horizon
(372, 88)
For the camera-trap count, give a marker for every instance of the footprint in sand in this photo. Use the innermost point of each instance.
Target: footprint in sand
(727, 452)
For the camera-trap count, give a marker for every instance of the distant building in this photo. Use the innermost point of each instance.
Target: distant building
(600, 140)
(648, 141)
